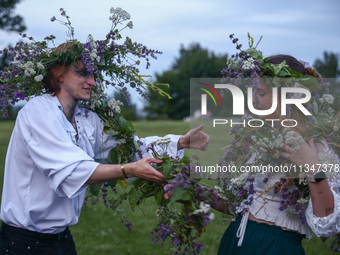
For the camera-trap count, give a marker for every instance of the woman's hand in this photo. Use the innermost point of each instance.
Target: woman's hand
(307, 154)
(194, 139)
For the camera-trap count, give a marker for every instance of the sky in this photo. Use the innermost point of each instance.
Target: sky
(304, 29)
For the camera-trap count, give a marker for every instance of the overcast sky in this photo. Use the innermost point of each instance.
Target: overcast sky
(301, 28)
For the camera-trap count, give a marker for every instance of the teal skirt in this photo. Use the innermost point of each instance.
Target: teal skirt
(261, 239)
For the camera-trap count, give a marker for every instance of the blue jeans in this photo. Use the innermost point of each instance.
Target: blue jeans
(15, 241)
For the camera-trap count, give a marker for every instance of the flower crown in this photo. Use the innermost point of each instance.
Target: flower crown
(250, 63)
(247, 66)
(111, 63)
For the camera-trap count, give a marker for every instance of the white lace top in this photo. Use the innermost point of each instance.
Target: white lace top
(265, 205)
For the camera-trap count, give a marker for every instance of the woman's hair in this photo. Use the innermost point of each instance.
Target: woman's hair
(55, 72)
(294, 64)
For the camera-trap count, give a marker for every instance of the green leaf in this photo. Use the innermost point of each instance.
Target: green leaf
(184, 160)
(159, 196)
(123, 124)
(180, 194)
(133, 198)
(95, 188)
(139, 182)
(167, 165)
(255, 54)
(315, 107)
(112, 183)
(114, 156)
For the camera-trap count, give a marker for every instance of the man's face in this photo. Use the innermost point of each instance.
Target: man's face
(76, 83)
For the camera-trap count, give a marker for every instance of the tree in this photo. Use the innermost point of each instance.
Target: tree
(193, 62)
(128, 111)
(8, 20)
(329, 66)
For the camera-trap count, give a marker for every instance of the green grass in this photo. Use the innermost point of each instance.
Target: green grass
(99, 232)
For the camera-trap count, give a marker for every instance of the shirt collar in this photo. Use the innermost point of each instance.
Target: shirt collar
(55, 100)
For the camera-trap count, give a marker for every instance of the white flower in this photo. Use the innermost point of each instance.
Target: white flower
(115, 104)
(40, 66)
(27, 73)
(124, 15)
(38, 78)
(328, 98)
(93, 55)
(31, 71)
(204, 208)
(121, 141)
(130, 24)
(240, 180)
(248, 64)
(293, 141)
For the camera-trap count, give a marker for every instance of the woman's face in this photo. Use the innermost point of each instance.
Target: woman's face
(264, 101)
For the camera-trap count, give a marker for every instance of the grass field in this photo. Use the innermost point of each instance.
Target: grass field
(100, 232)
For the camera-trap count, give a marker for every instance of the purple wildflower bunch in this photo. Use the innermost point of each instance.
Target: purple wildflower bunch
(110, 57)
(184, 217)
(181, 219)
(243, 64)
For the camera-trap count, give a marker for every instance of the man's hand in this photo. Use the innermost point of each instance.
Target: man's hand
(194, 139)
(143, 169)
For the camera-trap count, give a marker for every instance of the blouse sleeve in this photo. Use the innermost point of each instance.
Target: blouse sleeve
(170, 148)
(66, 166)
(108, 142)
(329, 225)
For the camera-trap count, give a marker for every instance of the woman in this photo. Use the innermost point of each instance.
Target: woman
(263, 225)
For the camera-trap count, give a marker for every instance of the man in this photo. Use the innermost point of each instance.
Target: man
(51, 160)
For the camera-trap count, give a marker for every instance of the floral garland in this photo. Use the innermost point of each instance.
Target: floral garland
(254, 146)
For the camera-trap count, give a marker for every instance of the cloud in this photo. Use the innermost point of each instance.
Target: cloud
(303, 28)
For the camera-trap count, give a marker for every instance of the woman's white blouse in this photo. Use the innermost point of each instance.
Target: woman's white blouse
(46, 167)
(266, 204)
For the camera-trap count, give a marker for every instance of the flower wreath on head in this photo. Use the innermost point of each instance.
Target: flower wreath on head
(113, 64)
(262, 146)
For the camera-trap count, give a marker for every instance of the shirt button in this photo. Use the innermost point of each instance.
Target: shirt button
(28, 247)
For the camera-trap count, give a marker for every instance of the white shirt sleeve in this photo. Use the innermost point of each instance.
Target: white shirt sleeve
(107, 142)
(171, 148)
(66, 166)
(329, 225)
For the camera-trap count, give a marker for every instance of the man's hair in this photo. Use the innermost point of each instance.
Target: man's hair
(51, 81)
